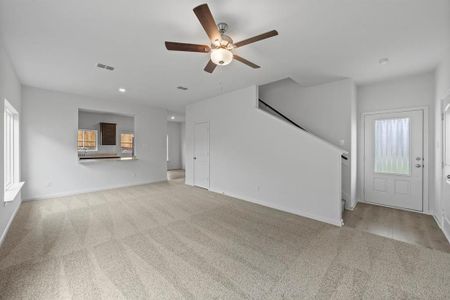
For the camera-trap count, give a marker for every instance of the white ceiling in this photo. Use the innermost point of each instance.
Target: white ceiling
(55, 44)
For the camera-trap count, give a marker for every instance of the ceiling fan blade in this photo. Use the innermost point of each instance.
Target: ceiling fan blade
(244, 61)
(174, 46)
(210, 67)
(207, 20)
(256, 38)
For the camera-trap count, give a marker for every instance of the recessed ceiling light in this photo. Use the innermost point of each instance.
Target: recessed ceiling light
(182, 88)
(383, 61)
(122, 90)
(172, 117)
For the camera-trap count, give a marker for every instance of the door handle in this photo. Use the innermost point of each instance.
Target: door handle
(448, 177)
(418, 165)
(195, 157)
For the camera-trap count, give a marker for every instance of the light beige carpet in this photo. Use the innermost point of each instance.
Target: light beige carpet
(171, 241)
(176, 176)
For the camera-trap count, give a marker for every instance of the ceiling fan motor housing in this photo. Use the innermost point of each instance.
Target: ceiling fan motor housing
(225, 42)
(223, 27)
(222, 45)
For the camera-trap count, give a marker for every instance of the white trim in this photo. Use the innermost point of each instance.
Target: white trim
(300, 213)
(9, 106)
(351, 208)
(2, 238)
(437, 221)
(12, 192)
(133, 140)
(427, 162)
(399, 208)
(446, 228)
(14, 138)
(96, 140)
(72, 193)
(167, 147)
(445, 106)
(445, 225)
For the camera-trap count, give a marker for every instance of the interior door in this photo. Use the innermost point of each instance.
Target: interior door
(201, 155)
(393, 159)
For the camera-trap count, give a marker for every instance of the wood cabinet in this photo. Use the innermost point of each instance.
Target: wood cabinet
(108, 133)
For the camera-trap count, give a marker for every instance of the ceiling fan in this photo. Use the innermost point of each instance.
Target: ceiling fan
(222, 46)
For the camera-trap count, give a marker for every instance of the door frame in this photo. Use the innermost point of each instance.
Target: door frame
(426, 160)
(441, 219)
(209, 156)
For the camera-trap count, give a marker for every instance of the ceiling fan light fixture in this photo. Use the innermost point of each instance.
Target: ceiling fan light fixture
(222, 45)
(221, 56)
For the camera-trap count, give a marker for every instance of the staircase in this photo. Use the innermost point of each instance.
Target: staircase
(273, 111)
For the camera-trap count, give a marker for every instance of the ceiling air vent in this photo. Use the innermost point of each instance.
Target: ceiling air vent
(106, 67)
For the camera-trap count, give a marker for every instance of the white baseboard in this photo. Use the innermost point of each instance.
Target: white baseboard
(336, 222)
(77, 192)
(351, 208)
(444, 225)
(2, 237)
(446, 228)
(399, 208)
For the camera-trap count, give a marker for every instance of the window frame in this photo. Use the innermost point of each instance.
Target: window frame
(11, 146)
(96, 141)
(133, 143)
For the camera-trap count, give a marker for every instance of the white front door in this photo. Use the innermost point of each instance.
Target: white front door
(201, 155)
(393, 159)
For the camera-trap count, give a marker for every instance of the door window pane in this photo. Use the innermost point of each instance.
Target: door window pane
(392, 146)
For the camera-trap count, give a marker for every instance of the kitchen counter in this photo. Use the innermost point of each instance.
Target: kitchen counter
(103, 157)
(98, 157)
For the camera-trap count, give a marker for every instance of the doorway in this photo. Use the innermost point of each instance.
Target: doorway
(201, 155)
(175, 150)
(394, 159)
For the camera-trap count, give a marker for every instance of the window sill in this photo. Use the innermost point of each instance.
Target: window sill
(12, 192)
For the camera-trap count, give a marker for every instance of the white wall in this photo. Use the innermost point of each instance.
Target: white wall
(50, 163)
(10, 89)
(92, 120)
(324, 110)
(174, 133)
(327, 111)
(257, 157)
(442, 191)
(400, 93)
